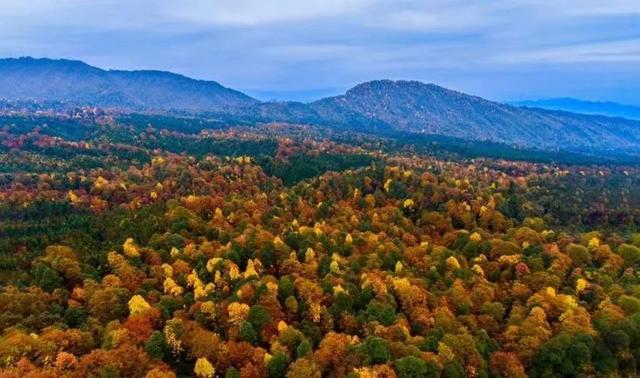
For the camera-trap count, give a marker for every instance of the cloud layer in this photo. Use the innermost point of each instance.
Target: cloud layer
(289, 48)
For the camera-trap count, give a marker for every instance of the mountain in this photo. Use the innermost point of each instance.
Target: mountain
(380, 107)
(79, 83)
(610, 109)
(416, 107)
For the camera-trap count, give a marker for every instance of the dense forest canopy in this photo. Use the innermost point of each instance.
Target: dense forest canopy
(147, 246)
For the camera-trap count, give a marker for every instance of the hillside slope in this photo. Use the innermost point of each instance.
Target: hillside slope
(427, 108)
(379, 107)
(79, 83)
(606, 108)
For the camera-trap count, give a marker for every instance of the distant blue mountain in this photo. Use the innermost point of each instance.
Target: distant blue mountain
(76, 82)
(376, 107)
(610, 109)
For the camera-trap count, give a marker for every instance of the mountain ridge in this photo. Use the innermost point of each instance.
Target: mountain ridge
(574, 105)
(431, 109)
(43, 79)
(376, 106)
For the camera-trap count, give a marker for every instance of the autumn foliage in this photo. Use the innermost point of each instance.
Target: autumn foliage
(176, 263)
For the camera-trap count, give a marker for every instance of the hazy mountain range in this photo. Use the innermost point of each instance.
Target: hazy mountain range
(375, 106)
(79, 83)
(606, 108)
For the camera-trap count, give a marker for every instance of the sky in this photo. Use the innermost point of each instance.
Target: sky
(303, 49)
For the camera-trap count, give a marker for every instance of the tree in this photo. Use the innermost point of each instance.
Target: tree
(75, 316)
(563, 355)
(285, 288)
(258, 317)
(231, 372)
(630, 254)
(507, 365)
(410, 367)
(109, 303)
(630, 305)
(375, 350)
(248, 333)
(238, 312)
(138, 305)
(204, 369)
(381, 312)
(65, 361)
(453, 370)
(304, 368)
(277, 366)
(155, 346)
(45, 277)
(580, 255)
(303, 349)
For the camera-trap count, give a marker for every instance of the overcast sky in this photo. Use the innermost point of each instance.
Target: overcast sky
(502, 50)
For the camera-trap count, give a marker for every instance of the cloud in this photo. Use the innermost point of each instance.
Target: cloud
(495, 48)
(260, 12)
(587, 8)
(626, 51)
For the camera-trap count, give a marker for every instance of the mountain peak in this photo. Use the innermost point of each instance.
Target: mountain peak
(387, 88)
(412, 106)
(385, 106)
(75, 82)
(31, 62)
(388, 84)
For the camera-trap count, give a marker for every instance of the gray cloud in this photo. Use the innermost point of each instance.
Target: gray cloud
(498, 49)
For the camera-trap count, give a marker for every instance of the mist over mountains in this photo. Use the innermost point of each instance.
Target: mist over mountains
(379, 106)
(606, 108)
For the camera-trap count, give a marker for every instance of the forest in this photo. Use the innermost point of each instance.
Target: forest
(148, 246)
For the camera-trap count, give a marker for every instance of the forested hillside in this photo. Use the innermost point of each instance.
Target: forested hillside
(416, 107)
(379, 107)
(77, 83)
(130, 249)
